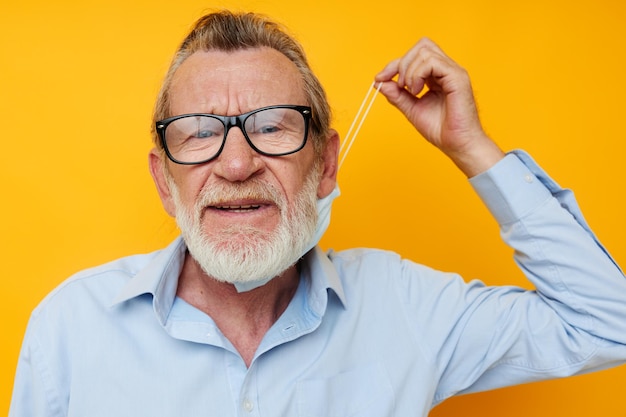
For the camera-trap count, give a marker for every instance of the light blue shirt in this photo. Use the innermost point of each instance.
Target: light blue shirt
(366, 334)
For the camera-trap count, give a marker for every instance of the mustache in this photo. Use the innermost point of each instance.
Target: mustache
(253, 189)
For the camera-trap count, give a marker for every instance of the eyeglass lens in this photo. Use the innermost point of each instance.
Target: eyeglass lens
(273, 131)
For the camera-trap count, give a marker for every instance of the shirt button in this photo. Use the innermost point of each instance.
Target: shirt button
(528, 178)
(247, 405)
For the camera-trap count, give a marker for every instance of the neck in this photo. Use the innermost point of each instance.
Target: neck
(244, 317)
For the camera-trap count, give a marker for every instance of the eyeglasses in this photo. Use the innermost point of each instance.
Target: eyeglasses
(198, 138)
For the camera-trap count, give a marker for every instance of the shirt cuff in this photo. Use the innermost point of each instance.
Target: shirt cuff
(511, 189)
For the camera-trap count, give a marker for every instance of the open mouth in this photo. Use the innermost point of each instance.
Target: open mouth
(238, 209)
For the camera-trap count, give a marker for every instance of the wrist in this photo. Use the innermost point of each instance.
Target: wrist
(480, 155)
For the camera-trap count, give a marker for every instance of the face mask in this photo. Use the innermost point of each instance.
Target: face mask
(323, 217)
(324, 204)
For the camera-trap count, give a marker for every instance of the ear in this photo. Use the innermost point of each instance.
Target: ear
(330, 159)
(157, 163)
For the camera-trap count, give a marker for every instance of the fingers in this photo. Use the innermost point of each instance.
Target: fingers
(446, 114)
(425, 64)
(415, 67)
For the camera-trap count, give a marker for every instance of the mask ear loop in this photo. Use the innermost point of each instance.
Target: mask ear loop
(349, 140)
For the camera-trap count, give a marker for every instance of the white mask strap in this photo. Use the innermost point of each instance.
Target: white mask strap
(360, 118)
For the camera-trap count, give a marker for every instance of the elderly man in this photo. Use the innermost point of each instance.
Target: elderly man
(244, 315)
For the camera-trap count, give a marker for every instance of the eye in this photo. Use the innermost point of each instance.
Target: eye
(202, 134)
(266, 122)
(267, 129)
(201, 127)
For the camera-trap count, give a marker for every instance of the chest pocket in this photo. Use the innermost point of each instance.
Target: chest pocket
(362, 392)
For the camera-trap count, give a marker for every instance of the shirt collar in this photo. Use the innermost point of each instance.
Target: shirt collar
(323, 276)
(160, 279)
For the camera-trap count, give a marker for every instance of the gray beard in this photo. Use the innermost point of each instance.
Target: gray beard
(243, 254)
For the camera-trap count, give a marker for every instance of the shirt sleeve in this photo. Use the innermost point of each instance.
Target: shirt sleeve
(573, 322)
(32, 392)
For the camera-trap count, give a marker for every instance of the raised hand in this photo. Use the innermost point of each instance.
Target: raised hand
(435, 94)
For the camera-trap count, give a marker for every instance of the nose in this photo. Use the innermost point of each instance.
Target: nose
(238, 161)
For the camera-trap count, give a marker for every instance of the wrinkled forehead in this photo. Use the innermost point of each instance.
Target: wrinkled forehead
(235, 82)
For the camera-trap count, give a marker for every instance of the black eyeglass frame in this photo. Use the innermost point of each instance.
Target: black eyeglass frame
(234, 121)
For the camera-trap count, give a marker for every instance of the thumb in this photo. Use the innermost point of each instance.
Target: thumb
(399, 97)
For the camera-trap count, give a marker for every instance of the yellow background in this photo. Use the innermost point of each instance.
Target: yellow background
(77, 84)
